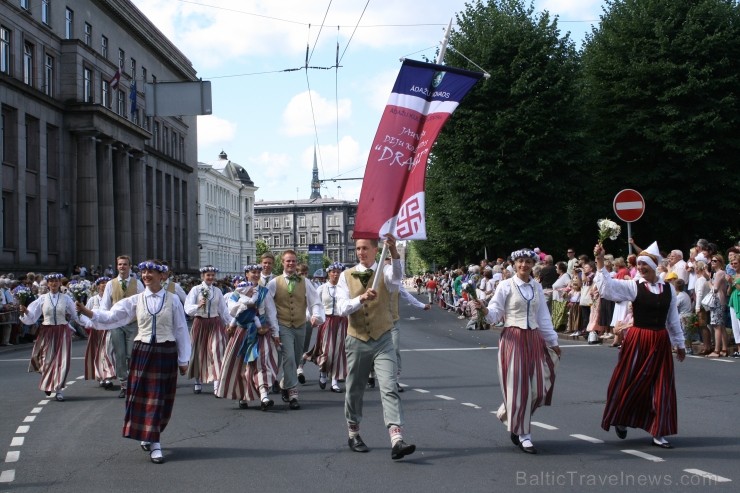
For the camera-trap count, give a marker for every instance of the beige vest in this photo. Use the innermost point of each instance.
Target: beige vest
(374, 318)
(54, 315)
(394, 305)
(116, 292)
(165, 330)
(291, 308)
(516, 308)
(170, 286)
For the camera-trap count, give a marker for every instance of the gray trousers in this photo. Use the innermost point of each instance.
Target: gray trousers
(292, 352)
(307, 340)
(396, 337)
(122, 343)
(361, 357)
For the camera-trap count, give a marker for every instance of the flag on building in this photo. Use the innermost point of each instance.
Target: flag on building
(392, 199)
(132, 97)
(114, 81)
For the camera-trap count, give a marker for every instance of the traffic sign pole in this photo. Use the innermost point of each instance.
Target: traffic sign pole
(629, 206)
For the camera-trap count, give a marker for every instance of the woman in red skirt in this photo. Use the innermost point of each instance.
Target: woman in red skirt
(51, 351)
(642, 390)
(99, 363)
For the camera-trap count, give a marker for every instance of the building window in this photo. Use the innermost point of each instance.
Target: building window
(24, 4)
(28, 63)
(287, 222)
(49, 75)
(9, 135)
(302, 239)
(256, 225)
(133, 69)
(45, 11)
(105, 92)
(87, 85)
(333, 238)
(351, 219)
(104, 47)
(88, 34)
(302, 222)
(121, 106)
(276, 222)
(10, 220)
(69, 17)
(32, 217)
(267, 223)
(32, 144)
(52, 151)
(143, 74)
(276, 240)
(4, 50)
(121, 59)
(286, 240)
(155, 135)
(315, 220)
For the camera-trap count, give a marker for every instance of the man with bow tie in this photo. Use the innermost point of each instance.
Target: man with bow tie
(293, 295)
(369, 341)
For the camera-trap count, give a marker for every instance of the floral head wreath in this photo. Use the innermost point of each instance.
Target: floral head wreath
(524, 253)
(208, 268)
(153, 266)
(244, 284)
(237, 279)
(335, 266)
(251, 267)
(101, 280)
(54, 276)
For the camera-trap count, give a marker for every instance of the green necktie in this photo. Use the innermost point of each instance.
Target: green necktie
(292, 280)
(363, 276)
(124, 285)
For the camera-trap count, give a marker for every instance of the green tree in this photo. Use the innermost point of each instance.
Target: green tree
(261, 247)
(415, 264)
(661, 86)
(507, 169)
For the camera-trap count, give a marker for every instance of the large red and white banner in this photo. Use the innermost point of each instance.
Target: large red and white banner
(392, 196)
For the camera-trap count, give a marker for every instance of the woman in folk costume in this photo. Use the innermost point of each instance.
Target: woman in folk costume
(51, 351)
(642, 390)
(161, 348)
(99, 364)
(251, 361)
(206, 304)
(528, 348)
(328, 353)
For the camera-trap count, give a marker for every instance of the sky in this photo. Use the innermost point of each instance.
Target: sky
(269, 118)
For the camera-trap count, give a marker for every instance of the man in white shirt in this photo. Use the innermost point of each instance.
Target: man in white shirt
(677, 264)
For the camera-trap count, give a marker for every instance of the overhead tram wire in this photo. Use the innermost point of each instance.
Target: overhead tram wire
(313, 112)
(354, 31)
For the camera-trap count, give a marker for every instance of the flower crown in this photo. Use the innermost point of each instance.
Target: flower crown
(208, 268)
(153, 266)
(251, 267)
(101, 280)
(237, 279)
(524, 253)
(244, 284)
(54, 276)
(336, 266)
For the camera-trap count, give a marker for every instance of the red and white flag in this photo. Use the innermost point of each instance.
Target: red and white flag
(115, 80)
(392, 199)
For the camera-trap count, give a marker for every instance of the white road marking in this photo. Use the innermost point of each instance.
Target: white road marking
(36, 410)
(7, 476)
(70, 382)
(12, 456)
(587, 438)
(43, 403)
(708, 475)
(402, 384)
(80, 377)
(17, 441)
(543, 425)
(22, 429)
(643, 455)
(445, 397)
(470, 404)
(449, 349)
(29, 419)
(422, 391)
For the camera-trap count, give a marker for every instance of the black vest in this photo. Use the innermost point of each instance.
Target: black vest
(651, 310)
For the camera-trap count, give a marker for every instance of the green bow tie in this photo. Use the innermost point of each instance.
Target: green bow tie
(363, 276)
(292, 280)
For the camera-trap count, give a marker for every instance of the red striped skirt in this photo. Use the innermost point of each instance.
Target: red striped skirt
(263, 371)
(642, 390)
(526, 372)
(233, 384)
(51, 356)
(152, 382)
(208, 340)
(98, 361)
(328, 353)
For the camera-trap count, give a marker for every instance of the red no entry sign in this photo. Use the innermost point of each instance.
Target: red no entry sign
(629, 205)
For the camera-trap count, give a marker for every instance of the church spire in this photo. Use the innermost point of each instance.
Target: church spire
(315, 183)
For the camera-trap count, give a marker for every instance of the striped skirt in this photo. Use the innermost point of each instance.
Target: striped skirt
(526, 370)
(208, 340)
(328, 353)
(152, 382)
(51, 356)
(99, 363)
(233, 384)
(642, 391)
(262, 371)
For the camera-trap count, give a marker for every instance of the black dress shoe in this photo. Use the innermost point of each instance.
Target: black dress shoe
(243, 404)
(400, 389)
(284, 395)
(371, 382)
(266, 404)
(122, 394)
(662, 445)
(146, 446)
(107, 385)
(515, 439)
(357, 445)
(527, 450)
(294, 405)
(276, 388)
(301, 378)
(336, 389)
(322, 385)
(401, 449)
(47, 392)
(156, 460)
(621, 431)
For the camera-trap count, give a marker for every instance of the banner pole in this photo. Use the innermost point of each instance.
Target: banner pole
(381, 265)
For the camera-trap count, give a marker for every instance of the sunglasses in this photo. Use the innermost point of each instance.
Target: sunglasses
(715, 260)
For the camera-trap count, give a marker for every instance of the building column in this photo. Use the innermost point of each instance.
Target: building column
(123, 200)
(87, 202)
(106, 223)
(138, 188)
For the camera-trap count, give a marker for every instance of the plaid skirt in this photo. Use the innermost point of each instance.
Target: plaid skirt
(150, 396)
(51, 356)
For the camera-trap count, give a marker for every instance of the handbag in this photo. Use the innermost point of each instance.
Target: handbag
(710, 301)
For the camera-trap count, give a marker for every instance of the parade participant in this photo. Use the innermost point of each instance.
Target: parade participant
(267, 261)
(642, 391)
(122, 338)
(161, 347)
(528, 348)
(172, 286)
(369, 342)
(99, 364)
(293, 296)
(328, 353)
(302, 270)
(206, 304)
(51, 351)
(251, 359)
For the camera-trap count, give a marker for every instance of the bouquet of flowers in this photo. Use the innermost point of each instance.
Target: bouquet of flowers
(469, 287)
(23, 295)
(608, 229)
(691, 325)
(80, 290)
(205, 292)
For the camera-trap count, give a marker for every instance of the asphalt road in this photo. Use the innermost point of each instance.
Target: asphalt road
(451, 385)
